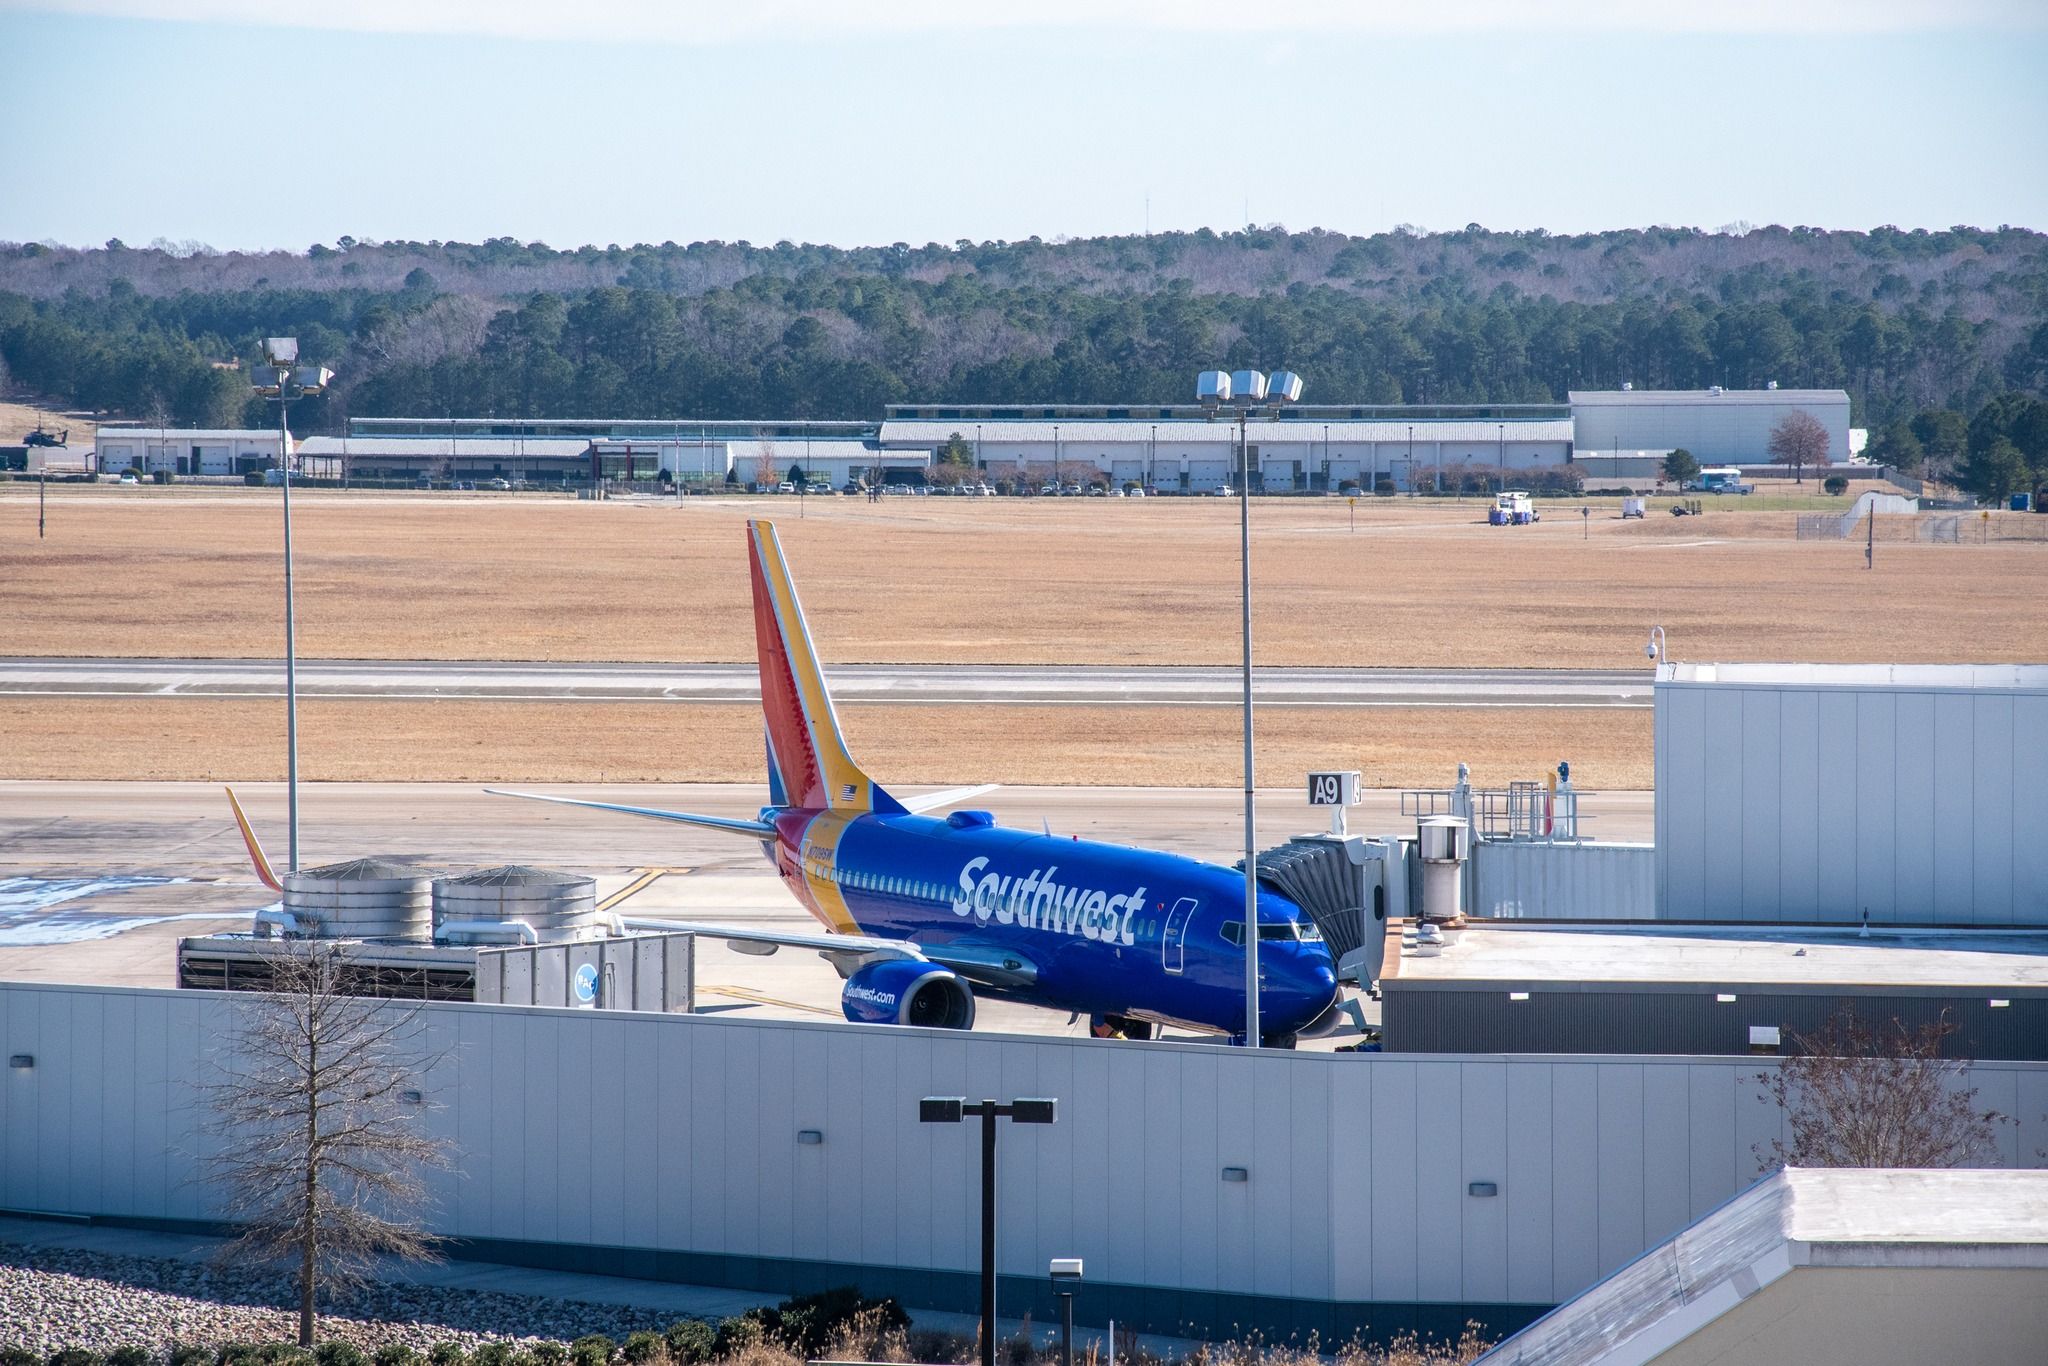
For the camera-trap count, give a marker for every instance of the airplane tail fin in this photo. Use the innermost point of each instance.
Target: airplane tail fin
(263, 873)
(808, 764)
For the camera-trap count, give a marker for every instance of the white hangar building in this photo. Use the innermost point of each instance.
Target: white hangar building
(225, 450)
(1719, 426)
(1183, 453)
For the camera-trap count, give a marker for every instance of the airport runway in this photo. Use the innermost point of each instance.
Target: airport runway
(952, 684)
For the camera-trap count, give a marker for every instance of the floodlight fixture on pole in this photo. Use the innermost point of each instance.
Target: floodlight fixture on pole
(1245, 390)
(281, 379)
(953, 1110)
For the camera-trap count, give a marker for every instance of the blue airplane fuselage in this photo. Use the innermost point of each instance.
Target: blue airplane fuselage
(1103, 929)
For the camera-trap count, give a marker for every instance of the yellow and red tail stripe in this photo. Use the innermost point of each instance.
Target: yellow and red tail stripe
(804, 741)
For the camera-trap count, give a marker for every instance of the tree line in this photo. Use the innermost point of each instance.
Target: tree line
(1928, 333)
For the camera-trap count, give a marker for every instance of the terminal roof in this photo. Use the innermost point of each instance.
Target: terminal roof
(1606, 952)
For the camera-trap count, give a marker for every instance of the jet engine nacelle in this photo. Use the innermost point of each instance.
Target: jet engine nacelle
(903, 991)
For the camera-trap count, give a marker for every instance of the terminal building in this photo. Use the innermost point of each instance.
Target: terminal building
(1600, 440)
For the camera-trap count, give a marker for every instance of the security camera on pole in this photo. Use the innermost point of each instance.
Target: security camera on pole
(1246, 390)
(282, 379)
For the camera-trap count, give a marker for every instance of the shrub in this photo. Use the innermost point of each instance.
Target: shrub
(644, 1349)
(92, 477)
(1383, 487)
(190, 1355)
(593, 1350)
(74, 1356)
(130, 1356)
(447, 1354)
(236, 1354)
(339, 1354)
(735, 1334)
(397, 1354)
(691, 1341)
(283, 1354)
(809, 1324)
(253, 478)
(19, 1356)
(1836, 484)
(548, 1354)
(163, 477)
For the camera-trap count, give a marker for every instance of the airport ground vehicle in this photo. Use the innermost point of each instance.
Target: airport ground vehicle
(1721, 479)
(1512, 508)
(922, 912)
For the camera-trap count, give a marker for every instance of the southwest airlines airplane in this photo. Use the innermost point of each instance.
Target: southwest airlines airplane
(922, 912)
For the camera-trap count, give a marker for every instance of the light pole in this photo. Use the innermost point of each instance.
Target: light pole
(282, 380)
(1245, 390)
(1066, 1279)
(951, 1110)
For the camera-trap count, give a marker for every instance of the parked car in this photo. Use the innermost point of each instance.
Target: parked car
(1224, 491)
(131, 477)
(784, 487)
(851, 487)
(501, 485)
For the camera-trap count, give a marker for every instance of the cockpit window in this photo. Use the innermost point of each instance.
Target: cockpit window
(1280, 931)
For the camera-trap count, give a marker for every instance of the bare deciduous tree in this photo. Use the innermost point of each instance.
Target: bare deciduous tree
(763, 473)
(1800, 439)
(1861, 1096)
(321, 1152)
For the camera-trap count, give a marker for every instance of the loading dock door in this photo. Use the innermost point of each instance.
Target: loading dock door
(1204, 475)
(1173, 942)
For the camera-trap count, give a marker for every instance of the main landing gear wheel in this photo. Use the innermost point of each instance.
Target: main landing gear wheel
(1119, 1027)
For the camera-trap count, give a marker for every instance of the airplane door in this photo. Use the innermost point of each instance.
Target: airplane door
(1173, 942)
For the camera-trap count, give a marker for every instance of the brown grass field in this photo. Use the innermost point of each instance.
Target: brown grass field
(181, 571)
(218, 739)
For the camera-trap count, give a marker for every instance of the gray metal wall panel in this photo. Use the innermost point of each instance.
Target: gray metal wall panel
(1348, 1169)
(1593, 1157)
(1534, 881)
(1914, 779)
(1529, 1195)
(1576, 1187)
(1816, 802)
(1721, 802)
(2030, 818)
(1393, 1155)
(1485, 1142)
(1875, 838)
(1799, 803)
(1667, 1151)
(1439, 1189)
(1621, 1138)
(1991, 831)
(1761, 814)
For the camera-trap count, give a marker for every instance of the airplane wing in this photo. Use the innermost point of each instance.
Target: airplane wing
(990, 966)
(263, 873)
(952, 796)
(759, 830)
(853, 945)
(986, 964)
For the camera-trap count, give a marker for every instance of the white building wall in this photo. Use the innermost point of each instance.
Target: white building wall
(1918, 801)
(1729, 428)
(679, 1133)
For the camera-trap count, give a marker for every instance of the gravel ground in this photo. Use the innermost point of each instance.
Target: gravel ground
(51, 1298)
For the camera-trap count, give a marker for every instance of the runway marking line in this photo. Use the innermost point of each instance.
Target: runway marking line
(647, 878)
(763, 999)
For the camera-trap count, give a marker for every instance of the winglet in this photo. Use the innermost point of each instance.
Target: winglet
(263, 873)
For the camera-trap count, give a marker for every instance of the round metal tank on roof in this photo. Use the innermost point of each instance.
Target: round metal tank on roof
(489, 905)
(365, 898)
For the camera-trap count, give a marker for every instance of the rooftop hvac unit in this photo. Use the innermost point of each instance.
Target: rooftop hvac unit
(364, 898)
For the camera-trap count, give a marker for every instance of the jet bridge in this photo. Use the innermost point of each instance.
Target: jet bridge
(1349, 885)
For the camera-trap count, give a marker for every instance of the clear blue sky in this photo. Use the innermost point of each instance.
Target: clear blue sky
(781, 121)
